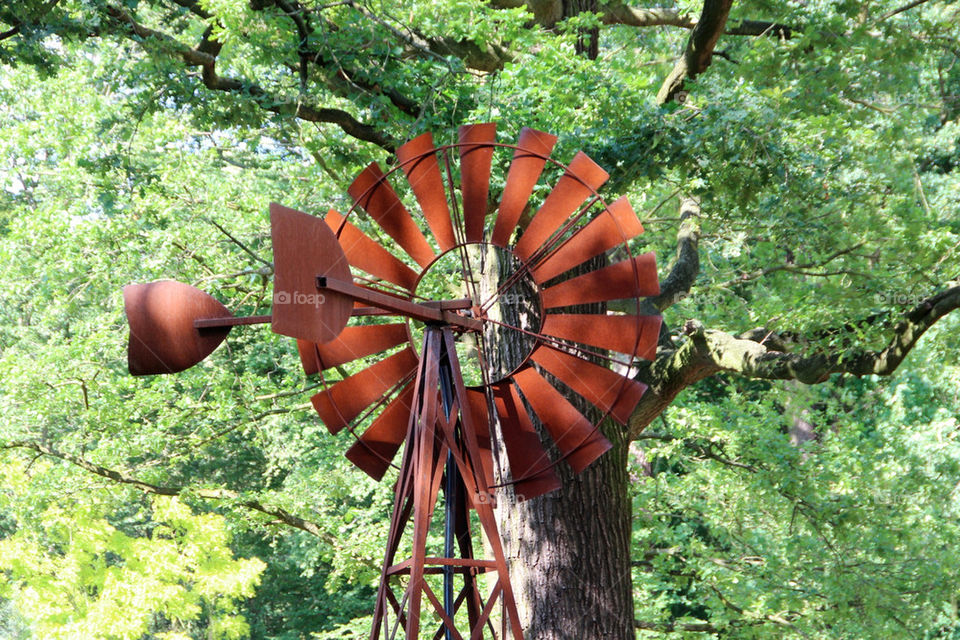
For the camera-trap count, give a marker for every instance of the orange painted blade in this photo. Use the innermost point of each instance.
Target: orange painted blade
(612, 227)
(304, 248)
(359, 341)
(345, 400)
(526, 454)
(574, 435)
(605, 389)
(477, 406)
(162, 336)
(419, 162)
(308, 357)
(475, 175)
(378, 445)
(367, 255)
(633, 335)
(613, 282)
(375, 196)
(525, 170)
(582, 178)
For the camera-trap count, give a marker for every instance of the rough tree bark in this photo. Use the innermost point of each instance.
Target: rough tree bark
(569, 552)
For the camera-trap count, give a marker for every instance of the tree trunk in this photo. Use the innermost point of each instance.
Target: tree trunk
(569, 552)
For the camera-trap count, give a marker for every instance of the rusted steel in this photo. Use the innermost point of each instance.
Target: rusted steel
(475, 158)
(163, 338)
(414, 310)
(345, 400)
(574, 435)
(376, 448)
(633, 278)
(633, 335)
(233, 321)
(528, 162)
(304, 247)
(533, 475)
(579, 182)
(419, 162)
(373, 194)
(367, 255)
(605, 389)
(360, 341)
(614, 226)
(480, 416)
(308, 357)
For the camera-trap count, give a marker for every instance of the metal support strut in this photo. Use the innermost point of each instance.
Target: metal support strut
(442, 449)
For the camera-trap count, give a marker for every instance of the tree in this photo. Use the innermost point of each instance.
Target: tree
(807, 148)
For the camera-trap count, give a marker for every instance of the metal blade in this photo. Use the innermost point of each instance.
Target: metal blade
(526, 454)
(378, 445)
(633, 335)
(357, 342)
(346, 399)
(475, 176)
(308, 357)
(375, 196)
(368, 255)
(633, 278)
(163, 338)
(480, 418)
(352, 343)
(614, 226)
(304, 248)
(605, 389)
(582, 178)
(423, 173)
(573, 434)
(524, 172)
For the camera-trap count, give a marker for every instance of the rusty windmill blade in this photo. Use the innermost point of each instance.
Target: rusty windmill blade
(163, 334)
(352, 344)
(367, 255)
(373, 194)
(529, 158)
(628, 334)
(376, 448)
(419, 161)
(613, 227)
(575, 436)
(339, 404)
(605, 389)
(632, 278)
(579, 182)
(476, 154)
(480, 415)
(529, 463)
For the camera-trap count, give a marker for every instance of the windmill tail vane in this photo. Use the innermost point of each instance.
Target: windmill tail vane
(536, 329)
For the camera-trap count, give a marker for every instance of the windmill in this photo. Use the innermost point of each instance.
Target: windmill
(447, 378)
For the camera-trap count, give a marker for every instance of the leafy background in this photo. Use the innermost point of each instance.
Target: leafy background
(825, 167)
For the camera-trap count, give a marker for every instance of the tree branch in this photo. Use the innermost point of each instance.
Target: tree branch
(121, 477)
(699, 52)
(488, 58)
(547, 14)
(906, 7)
(686, 265)
(207, 62)
(707, 352)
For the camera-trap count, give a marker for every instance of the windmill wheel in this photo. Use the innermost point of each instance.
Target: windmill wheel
(538, 289)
